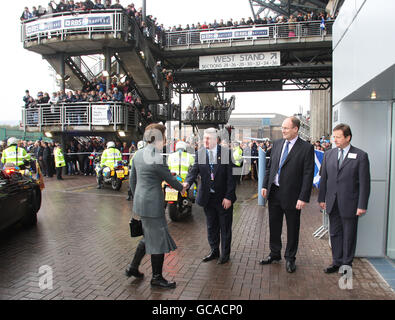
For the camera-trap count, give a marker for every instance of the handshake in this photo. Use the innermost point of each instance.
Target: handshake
(185, 186)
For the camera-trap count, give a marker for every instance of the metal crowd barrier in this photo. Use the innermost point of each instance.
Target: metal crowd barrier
(52, 25)
(79, 114)
(293, 30)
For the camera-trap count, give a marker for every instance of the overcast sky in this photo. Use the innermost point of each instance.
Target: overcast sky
(23, 70)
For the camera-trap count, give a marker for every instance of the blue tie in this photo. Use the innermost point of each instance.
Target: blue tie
(285, 154)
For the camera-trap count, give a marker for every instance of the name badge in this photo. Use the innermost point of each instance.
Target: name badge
(212, 176)
(352, 155)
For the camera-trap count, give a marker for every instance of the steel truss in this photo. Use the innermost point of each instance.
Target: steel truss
(285, 8)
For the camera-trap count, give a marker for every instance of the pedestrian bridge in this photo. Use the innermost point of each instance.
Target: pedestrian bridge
(303, 50)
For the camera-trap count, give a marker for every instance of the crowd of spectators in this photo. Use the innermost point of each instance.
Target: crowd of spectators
(151, 27)
(79, 155)
(312, 16)
(76, 6)
(93, 91)
(323, 144)
(211, 112)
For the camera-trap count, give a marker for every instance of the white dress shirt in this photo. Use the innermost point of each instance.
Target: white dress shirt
(345, 152)
(291, 144)
(214, 152)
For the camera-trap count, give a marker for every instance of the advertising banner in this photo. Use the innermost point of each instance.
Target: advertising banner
(100, 114)
(68, 22)
(258, 32)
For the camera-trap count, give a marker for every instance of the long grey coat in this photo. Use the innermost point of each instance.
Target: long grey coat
(148, 171)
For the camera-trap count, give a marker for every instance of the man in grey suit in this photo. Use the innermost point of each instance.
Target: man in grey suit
(344, 193)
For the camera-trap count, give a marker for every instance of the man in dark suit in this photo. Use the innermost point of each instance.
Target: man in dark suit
(287, 185)
(344, 193)
(216, 193)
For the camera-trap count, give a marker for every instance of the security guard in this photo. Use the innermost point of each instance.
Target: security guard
(14, 154)
(109, 158)
(238, 158)
(180, 161)
(59, 160)
(140, 145)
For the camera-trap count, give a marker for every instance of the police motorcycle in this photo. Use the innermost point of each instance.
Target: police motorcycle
(113, 177)
(179, 205)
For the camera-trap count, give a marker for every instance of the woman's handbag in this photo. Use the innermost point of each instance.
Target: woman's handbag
(136, 228)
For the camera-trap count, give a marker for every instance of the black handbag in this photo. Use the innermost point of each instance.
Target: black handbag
(136, 228)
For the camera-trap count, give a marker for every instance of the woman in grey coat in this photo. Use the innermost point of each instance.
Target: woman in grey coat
(148, 171)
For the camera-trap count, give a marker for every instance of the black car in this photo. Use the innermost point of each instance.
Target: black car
(20, 198)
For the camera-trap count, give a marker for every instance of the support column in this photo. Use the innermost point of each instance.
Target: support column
(179, 116)
(107, 63)
(62, 71)
(145, 11)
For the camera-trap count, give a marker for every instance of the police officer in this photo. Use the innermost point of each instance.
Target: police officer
(109, 158)
(13, 154)
(59, 160)
(140, 145)
(238, 158)
(180, 161)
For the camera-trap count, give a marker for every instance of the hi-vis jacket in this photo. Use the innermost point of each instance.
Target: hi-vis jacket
(15, 155)
(59, 158)
(179, 163)
(110, 157)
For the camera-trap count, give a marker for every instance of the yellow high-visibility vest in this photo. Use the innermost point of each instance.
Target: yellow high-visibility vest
(11, 155)
(59, 157)
(238, 156)
(110, 157)
(173, 162)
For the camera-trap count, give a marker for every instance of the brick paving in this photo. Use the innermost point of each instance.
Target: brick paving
(83, 235)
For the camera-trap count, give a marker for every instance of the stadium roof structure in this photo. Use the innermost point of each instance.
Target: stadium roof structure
(289, 7)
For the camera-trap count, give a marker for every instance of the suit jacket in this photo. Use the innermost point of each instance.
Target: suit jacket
(148, 172)
(350, 184)
(297, 172)
(224, 184)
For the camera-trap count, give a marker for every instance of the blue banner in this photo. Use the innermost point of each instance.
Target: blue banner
(67, 22)
(253, 32)
(318, 157)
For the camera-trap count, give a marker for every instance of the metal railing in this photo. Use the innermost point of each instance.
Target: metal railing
(220, 115)
(63, 24)
(65, 115)
(295, 30)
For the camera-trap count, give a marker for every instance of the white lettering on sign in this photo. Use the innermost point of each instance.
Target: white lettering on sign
(240, 60)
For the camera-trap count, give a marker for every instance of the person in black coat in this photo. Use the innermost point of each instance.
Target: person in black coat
(47, 159)
(287, 185)
(216, 193)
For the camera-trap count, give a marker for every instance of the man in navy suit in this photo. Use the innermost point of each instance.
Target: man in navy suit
(287, 185)
(216, 193)
(344, 193)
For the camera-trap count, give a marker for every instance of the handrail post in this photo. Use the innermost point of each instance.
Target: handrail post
(62, 116)
(90, 116)
(126, 113)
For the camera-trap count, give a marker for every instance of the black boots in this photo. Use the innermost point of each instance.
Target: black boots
(157, 278)
(133, 268)
(129, 195)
